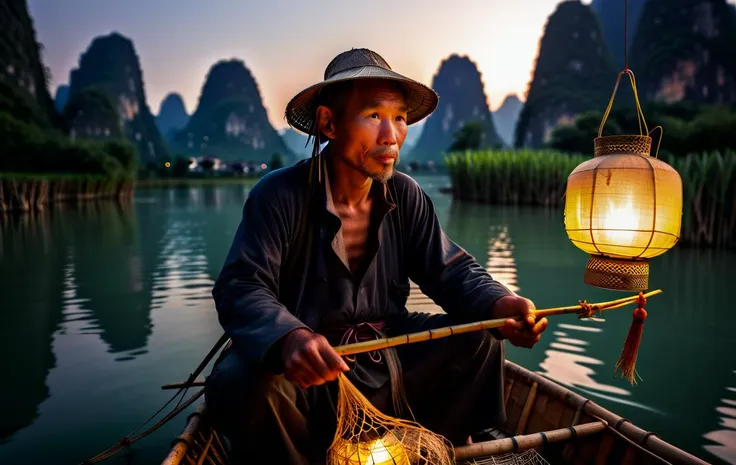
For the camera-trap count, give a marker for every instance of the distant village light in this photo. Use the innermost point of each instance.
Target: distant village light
(167, 164)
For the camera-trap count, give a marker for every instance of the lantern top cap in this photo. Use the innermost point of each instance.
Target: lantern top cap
(622, 145)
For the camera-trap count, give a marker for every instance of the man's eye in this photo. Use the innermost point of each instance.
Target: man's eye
(374, 115)
(400, 118)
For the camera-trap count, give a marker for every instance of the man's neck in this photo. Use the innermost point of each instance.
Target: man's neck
(349, 187)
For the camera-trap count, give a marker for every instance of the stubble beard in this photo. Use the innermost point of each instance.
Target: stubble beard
(381, 176)
(385, 174)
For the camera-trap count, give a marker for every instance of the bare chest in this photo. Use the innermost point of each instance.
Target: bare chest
(356, 224)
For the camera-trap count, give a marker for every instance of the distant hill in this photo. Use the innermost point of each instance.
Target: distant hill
(111, 63)
(686, 50)
(506, 116)
(611, 14)
(172, 115)
(462, 99)
(573, 74)
(21, 65)
(296, 142)
(230, 121)
(61, 97)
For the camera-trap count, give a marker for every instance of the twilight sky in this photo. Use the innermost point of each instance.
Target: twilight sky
(287, 43)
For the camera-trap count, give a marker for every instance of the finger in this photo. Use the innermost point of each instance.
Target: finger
(334, 362)
(530, 320)
(540, 326)
(514, 325)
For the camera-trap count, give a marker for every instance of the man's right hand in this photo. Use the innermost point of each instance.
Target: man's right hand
(309, 359)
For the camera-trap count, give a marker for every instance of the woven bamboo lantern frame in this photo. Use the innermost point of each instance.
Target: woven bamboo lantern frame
(624, 206)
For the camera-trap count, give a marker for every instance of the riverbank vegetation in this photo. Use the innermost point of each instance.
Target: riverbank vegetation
(40, 163)
(539, 178)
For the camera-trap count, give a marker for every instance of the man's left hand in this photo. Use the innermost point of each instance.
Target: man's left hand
(524, 333)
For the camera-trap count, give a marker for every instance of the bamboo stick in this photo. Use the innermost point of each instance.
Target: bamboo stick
(376, 344)
(527, 441)
(183, 384)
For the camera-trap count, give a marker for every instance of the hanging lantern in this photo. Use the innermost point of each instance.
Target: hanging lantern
(623, 207)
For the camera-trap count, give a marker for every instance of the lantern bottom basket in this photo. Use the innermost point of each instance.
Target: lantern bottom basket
(617, 274)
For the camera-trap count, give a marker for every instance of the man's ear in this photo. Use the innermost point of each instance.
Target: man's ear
(326, 122)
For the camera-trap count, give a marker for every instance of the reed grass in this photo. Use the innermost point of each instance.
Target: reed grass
(539, 177)
(709, 198)
(524, 177)
(33, 191)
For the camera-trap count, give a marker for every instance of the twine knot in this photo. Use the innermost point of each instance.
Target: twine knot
(359, 332)
(588, 310)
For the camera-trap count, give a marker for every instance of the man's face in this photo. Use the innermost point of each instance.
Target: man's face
(371, 128)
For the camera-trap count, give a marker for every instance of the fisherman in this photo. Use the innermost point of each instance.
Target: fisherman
(323, 256)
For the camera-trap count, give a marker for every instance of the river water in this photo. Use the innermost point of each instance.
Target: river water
(103, 304)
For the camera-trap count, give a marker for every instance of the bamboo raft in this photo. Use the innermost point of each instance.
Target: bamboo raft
(575, 431)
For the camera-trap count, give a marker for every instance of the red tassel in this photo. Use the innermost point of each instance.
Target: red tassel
(627, 362)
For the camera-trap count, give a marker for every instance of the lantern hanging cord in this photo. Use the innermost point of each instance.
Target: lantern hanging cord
(626, 35)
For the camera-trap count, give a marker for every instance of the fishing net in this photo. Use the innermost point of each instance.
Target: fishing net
(366, 436)
(529, 457)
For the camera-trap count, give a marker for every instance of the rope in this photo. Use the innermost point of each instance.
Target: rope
(626, 34)
(127, 440)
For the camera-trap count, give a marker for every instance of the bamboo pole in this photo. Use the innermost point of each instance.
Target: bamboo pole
(527, 441)
(376, 344)
(581, 309)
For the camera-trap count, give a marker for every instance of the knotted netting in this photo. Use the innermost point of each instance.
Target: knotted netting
(366, 436)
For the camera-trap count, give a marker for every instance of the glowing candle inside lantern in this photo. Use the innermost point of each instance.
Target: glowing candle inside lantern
(621, 223)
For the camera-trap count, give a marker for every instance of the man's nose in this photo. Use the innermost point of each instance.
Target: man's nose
(387, 133)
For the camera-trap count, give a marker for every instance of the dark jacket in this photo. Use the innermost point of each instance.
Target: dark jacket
(256, 300)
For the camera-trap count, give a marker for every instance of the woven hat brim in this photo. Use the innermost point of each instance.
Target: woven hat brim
(421, 100)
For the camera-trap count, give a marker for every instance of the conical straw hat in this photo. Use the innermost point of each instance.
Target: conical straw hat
(359, 64)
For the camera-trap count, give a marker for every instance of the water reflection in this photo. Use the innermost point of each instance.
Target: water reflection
(182, 279)
(725, 437)
(501, 264)
(567, 363)
(112, 262)
(33, 267)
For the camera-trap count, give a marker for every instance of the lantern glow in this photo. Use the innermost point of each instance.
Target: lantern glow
(623, 207)
(387, 450)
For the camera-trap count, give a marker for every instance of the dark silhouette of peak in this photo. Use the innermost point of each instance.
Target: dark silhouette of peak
(573, 74)
(22, 72)
(111, 63)
(506, 116)
(230, 121)
(462, 100)
(686, 50)
(611, 14)
(172, 115)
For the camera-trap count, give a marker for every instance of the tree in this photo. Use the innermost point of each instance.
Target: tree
(277, 161)
(468, 137)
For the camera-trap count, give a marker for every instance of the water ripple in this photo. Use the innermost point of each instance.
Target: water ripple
(725, 438)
